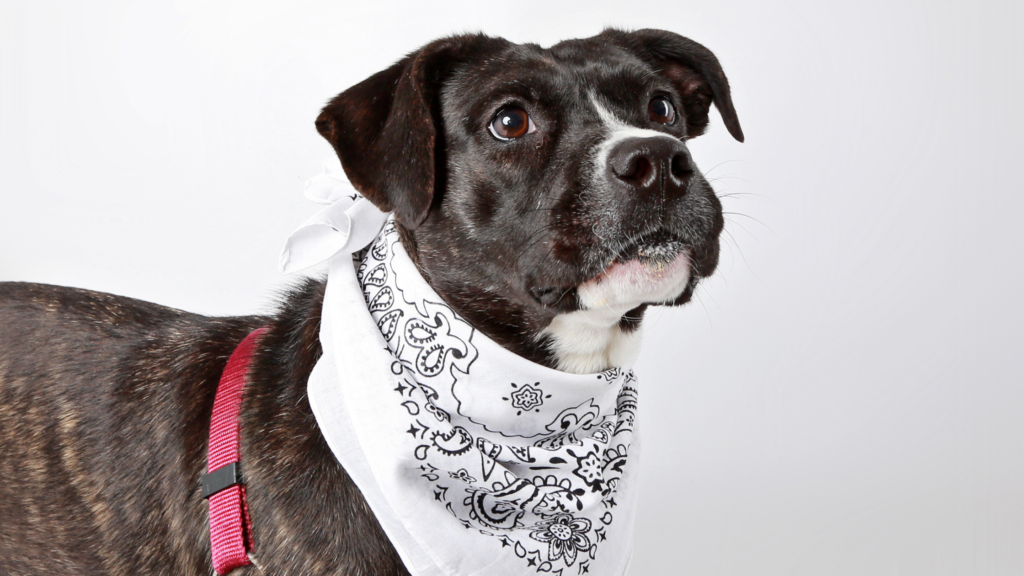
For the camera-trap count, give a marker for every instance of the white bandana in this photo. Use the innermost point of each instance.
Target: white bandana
(475, 461)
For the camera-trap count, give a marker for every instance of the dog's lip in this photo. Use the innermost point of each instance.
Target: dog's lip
(653, 251)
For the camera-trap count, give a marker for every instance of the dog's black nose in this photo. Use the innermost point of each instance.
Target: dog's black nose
(656, 167)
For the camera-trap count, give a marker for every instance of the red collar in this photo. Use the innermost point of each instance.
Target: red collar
(230, 527)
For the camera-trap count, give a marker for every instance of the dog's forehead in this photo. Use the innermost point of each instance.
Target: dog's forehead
(568, 73)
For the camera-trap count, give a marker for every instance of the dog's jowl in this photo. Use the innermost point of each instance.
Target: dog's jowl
(540, 199)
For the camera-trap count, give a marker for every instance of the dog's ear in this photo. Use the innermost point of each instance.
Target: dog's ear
(387, 129)
(692, 69)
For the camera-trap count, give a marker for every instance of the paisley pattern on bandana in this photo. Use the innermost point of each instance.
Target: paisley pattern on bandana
(544, 485)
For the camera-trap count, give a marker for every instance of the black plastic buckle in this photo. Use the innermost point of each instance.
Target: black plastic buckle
(224, 477)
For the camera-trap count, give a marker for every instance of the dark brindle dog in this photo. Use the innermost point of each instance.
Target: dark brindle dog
(528, 184)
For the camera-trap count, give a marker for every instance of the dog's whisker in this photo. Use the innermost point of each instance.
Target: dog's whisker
(744, 228)
(706, 313)
(726, 177)
(768, 228)
(543, 229)
(735, 245)
(722, 163)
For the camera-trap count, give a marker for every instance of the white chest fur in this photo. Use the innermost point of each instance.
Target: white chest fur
(588, 341)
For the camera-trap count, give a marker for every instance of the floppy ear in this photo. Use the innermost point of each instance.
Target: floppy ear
(387, 131)
(692, 69)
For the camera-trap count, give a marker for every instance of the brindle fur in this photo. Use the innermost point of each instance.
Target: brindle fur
(105, 406)
(105, 401)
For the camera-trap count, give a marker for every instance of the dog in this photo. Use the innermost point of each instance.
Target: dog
(548, 194)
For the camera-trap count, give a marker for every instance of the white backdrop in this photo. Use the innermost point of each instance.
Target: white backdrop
(853, 390)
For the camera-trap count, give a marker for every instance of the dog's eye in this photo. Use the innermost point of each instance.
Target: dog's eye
(661, 110)
(511, 123)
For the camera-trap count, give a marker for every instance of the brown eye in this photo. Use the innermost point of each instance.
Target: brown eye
(511, 123)
(661, 110)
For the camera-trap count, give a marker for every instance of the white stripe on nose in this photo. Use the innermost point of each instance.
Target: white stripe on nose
(617, 132)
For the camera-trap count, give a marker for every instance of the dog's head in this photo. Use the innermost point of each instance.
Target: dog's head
(547, 194)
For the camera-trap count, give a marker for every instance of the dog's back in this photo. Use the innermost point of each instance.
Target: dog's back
(97, 394)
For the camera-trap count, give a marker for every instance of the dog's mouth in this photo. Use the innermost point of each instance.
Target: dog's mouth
(648, 266)
(659, 248)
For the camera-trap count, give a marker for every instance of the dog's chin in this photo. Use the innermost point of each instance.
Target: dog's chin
(655, 274)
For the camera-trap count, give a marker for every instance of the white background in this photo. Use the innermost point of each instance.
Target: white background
(847, 394)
